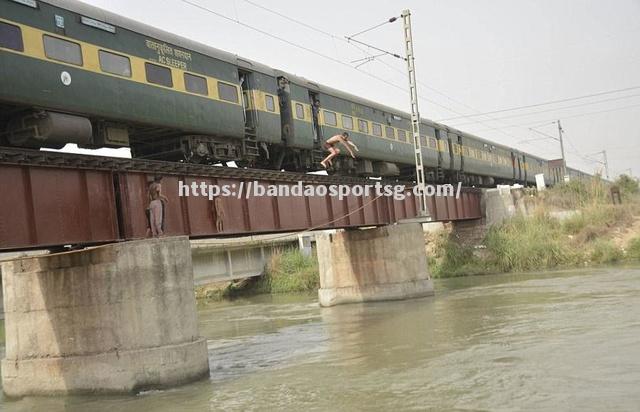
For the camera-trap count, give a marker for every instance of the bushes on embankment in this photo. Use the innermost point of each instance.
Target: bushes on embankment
(289, 271)
(523, 243)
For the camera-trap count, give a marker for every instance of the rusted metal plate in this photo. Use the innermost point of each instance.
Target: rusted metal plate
(41, 207)
(44, 206)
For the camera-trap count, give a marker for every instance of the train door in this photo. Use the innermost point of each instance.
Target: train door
(250, 112)
(314, 99)
(286, 114)
(461, 154)
(455, 151)
(515, 165)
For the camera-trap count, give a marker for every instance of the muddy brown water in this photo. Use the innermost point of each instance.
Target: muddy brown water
(565, 340)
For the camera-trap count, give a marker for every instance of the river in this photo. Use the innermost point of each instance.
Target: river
(555, 341)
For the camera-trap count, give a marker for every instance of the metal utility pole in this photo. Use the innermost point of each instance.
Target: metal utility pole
(564, 162)
(415, 113)
(605, 162)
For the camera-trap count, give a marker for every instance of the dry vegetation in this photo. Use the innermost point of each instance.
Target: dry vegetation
(599, 233)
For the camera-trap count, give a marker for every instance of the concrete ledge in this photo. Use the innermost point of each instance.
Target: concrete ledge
(107, 373)
(388, 291)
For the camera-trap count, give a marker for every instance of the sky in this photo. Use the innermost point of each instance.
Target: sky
(472, 57)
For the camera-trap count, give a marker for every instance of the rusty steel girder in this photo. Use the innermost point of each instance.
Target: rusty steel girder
(49, 199)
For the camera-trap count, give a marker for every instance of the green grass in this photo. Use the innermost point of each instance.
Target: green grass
(539, 242)
(577, 194)
(595, 220)
(605, 251)
(522, 243)
(452, 260)
(288, 271)
(633, 248)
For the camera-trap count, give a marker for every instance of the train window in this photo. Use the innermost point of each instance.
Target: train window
(270, 103)
(363, 126)
(114, 63)
(347, 122)
(423, 141)
(432, 143)
(330, 118)
(465, 151)
(195, 84)
(158, 75)
(376, 129)
(389, 132)
(62, 50)
(402, 135)
(227, 92)
(300, 111)
(11, 37)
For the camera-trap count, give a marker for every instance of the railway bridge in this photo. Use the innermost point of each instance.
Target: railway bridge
(53, 199)
(110, 310)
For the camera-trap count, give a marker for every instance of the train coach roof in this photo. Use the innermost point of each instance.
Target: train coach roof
(137, 27)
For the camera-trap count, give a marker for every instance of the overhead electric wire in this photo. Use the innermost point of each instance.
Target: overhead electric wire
(392, 54)
(335, 60)
(558, 109)
(333, 36)
(307, 49)
(570, 117)
(391, 20)
(547, 136)
(547, 102)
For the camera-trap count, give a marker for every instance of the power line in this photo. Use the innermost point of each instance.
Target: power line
(549, 121)
(548, 136)
(284, 16)
(559, 108)
(299, 46)
(333, 36)
(547, 102)
(307, 49)
(344, 40)
(263, 32)
(392, 54)
(391, 20)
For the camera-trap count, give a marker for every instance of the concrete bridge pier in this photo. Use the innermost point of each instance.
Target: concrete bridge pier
(112, 319)
(384, 263)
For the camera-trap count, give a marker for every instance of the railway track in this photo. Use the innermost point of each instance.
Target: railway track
(28, 157)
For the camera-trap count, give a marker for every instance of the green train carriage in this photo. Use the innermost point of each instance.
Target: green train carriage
(75, 73)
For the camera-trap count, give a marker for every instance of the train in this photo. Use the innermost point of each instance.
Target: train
(74, 73)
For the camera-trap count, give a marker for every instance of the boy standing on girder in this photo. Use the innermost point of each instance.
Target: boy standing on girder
(331, 143)
(156, 209)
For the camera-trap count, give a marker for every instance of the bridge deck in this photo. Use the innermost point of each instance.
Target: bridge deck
(50, 199)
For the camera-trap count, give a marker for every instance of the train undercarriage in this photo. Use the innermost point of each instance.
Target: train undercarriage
(41, 128)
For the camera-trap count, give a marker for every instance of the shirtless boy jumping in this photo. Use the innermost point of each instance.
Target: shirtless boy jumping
(331, 143)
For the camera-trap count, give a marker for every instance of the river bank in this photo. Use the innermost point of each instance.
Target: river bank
(569, 226)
